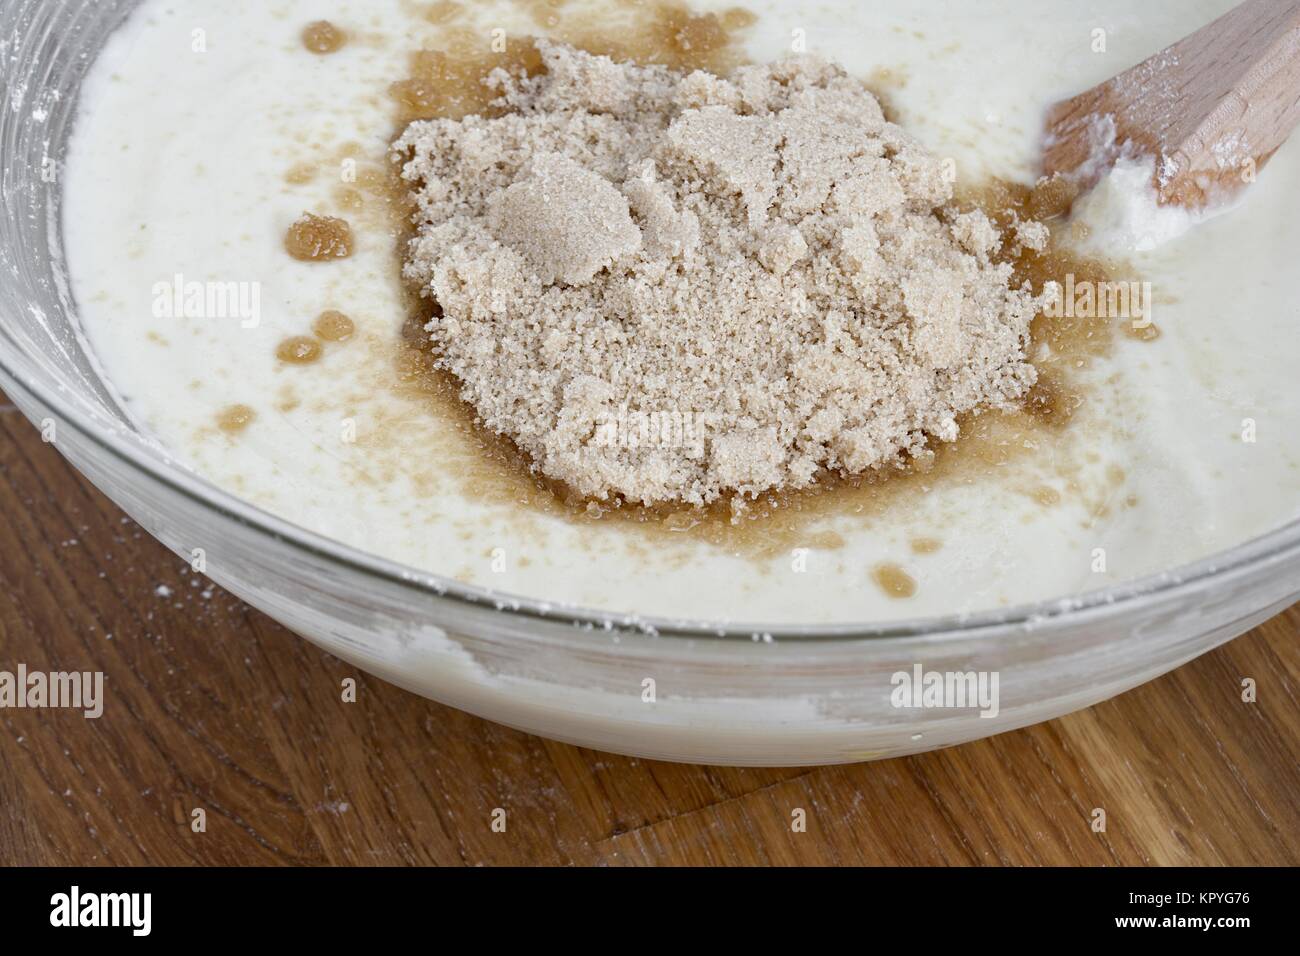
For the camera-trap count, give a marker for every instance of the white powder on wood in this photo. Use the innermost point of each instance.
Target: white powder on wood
(675, 287)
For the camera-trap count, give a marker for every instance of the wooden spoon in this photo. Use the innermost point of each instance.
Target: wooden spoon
(1211, 109)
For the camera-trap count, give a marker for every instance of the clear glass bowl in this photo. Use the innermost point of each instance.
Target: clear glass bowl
(796, 696)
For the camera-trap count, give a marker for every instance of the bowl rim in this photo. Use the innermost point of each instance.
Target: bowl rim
(140, 452)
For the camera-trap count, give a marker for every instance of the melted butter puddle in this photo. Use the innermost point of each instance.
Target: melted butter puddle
(333, 326)
(893, 580)
(926, 545)
(330, 326)
(313, 238)
(233, 419)
(323, 37)
(489, 468)
(298, 350)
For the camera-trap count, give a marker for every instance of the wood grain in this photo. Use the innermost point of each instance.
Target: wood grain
(212, 705)
(1211, 109)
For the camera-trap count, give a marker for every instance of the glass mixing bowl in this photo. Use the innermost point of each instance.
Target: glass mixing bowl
(724, 693)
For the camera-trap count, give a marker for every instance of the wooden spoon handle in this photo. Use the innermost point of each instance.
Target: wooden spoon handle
(1211, 109)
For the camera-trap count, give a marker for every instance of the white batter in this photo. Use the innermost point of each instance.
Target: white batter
(197, 112)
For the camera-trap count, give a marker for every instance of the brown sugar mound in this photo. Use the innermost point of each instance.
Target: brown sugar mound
(675, 287)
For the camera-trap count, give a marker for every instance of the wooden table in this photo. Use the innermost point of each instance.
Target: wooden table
(212, 705)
